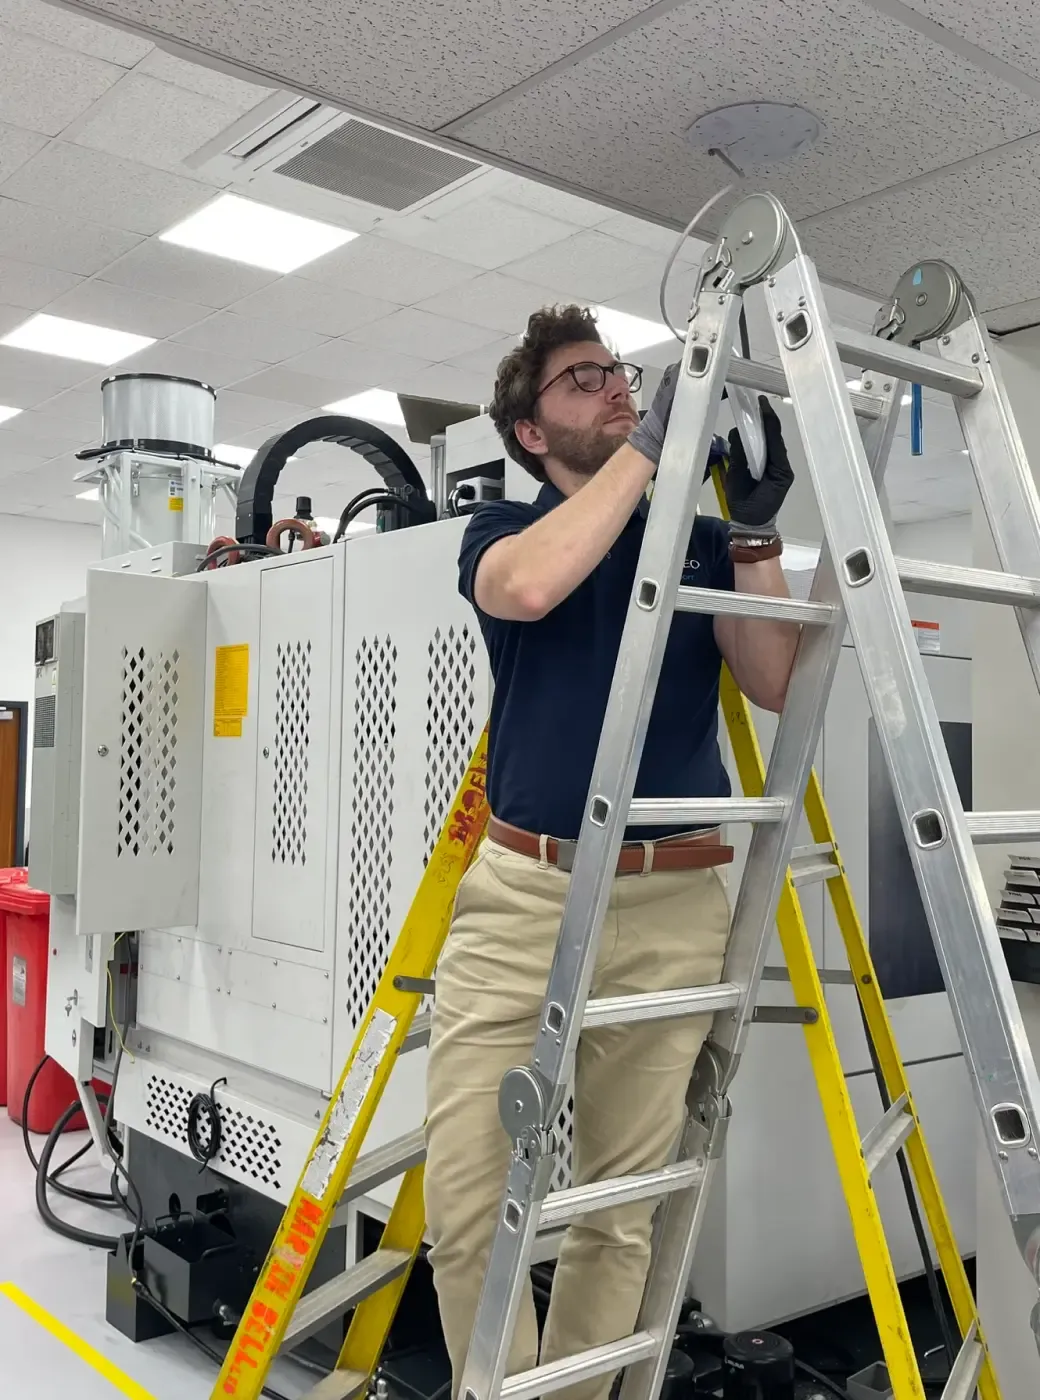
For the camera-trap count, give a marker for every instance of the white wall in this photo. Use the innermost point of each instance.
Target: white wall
(947, 540)
(43, 563)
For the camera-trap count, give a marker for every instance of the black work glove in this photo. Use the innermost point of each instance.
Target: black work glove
(647, 436)
(753, 505)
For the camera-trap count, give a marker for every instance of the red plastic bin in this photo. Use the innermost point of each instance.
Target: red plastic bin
(16, 875)
(25, 973)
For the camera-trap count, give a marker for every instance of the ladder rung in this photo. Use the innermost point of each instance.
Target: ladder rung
(419, 1032)
(887, 1136)
(810, 864)
(901, 362)
(714, 600)
(704, 811)
(659, 1006)
(384, 1163)
(967, 1367)
(337, 1385)
(977, 585)
(767, 379)
(992, 828)
(561, 1206)
(541, 1380)
(340, 1294)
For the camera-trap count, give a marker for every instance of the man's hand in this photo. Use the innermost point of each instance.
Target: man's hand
(647, 437)
(753, 505)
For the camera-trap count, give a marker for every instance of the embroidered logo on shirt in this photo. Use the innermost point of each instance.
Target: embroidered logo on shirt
(689, 568)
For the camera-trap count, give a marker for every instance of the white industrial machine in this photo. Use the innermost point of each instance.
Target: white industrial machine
(249, 766)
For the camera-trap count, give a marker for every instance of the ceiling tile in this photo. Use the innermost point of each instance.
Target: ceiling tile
(558, 204)
(207, 82)
(1010, 31)
(403, 58)
(356, 366)
(43, 87)
(616, 120)
(486, 360)
(37, 431)
(488, 236)
(16, 147)
(415, 332)
(13, 463)
(170, 358)
(312, 306)
(401, 274)
(105, 189)
(641, 232)
(11, 316)
(290, 385)
(26, 378)
(124, 309)
(589, 264)
(78, 408)
(231, 334)
(151, 122)
(183, 274)
(73, 31)
(447, 382)
(55, 241)
(22, 284)
(498, 302)
(239, 414)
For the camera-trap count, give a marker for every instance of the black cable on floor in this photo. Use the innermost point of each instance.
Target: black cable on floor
(43, 1205)
(102, 1199)
(821, 1379)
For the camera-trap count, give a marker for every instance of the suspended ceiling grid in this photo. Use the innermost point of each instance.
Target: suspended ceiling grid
(930, 110)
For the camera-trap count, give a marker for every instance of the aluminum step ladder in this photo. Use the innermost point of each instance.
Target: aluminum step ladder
(857, 583)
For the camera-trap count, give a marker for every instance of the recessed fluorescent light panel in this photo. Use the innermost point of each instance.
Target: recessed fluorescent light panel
(75, 340)
(90, 494)
(257, 234)
(628, 333)
(379, 405)
(6, 412)
(237, 456)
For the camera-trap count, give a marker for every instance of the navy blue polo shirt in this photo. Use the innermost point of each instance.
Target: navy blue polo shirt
(552, 680)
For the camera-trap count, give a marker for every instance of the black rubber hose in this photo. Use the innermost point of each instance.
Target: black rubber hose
(52, 1221)
(102, 1199)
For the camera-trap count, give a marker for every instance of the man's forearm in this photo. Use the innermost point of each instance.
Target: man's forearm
(763, 648)
(527, 575)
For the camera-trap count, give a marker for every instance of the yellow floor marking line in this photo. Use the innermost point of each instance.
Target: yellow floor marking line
(86, 1353)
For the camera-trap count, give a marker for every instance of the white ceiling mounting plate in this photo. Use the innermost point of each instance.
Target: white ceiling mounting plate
(756, 135)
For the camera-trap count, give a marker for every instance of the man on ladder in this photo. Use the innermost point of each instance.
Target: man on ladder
(551, 584)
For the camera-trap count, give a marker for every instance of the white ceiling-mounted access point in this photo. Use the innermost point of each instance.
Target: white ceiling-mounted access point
(755, 135)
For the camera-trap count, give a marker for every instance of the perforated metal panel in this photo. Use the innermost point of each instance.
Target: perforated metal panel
(371, 819)
(450, 724)
(291, 752)
(293, 738)
(563, 1171)
(250, 1149)
(140, 796)
(148, 752)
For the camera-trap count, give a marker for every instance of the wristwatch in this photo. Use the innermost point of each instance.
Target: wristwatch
(750, 549)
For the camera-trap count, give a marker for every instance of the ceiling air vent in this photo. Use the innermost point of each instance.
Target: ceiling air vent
(375, 166)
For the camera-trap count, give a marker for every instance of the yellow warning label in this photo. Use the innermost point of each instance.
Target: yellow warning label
(230, 691)
(176, 496)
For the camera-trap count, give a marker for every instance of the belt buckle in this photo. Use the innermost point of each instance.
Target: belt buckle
(565, 855)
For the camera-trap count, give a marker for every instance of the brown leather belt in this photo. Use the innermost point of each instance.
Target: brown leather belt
(693, 851)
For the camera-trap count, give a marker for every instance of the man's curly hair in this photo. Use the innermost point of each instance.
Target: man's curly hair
(519, 374)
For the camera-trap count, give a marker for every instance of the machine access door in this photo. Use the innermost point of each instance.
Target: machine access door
(293, 754)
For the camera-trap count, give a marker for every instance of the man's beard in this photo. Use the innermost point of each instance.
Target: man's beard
(582, 450)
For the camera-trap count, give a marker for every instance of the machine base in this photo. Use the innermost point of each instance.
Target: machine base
(206, 1239)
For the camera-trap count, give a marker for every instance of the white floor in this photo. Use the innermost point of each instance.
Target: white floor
(68, 1281)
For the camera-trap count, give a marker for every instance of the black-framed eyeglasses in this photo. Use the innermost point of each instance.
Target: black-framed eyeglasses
(590, 377)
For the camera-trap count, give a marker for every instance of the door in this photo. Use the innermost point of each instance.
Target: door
(10, 783)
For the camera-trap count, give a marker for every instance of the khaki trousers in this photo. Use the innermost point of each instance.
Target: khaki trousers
(661, 931)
